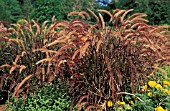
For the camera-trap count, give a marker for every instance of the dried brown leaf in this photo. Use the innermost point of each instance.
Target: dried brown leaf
(50, 78)
(112, 85)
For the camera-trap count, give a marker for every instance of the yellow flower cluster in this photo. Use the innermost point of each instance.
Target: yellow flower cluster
(109, 103)
(131, 102)
(153, 84)
(158, 86)
(166, 83)
(127, 106)
(159, 108)
(163, 88)
(149, 93)
(145, 87)
(120, 103)
(166, 91)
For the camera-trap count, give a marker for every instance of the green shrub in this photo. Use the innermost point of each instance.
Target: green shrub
(10, 11)
(157, 10)
(46, 9)
(26, 8)
(47, 98)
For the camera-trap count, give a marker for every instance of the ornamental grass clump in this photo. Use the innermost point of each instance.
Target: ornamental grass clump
(98, 60)
(19, 72)
(116, 58)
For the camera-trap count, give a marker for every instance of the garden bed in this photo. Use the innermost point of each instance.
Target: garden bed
(107, 65)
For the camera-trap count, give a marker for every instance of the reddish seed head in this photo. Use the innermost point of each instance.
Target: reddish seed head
(76, 75)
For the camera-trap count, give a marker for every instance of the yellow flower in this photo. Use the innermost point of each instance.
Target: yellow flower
(109, 103)
(158, 86)
(149, 93)
(131, 102)
(159, 108)
(120, 108)
(165, 91)
(145, 87)
(151, 83)
(166, 83)
(120, 103)
(127, 107)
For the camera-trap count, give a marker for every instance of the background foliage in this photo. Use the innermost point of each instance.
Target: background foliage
(158, 11)
(10, 10)
(46, 9)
